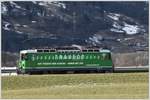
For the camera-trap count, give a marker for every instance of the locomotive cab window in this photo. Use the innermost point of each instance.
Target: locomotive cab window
(23, 56)
(106, 56)
(109, 56)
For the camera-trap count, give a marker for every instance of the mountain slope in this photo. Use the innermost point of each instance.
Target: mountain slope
(119, 26)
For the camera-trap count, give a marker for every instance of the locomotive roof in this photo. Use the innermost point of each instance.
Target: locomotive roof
(65, 48)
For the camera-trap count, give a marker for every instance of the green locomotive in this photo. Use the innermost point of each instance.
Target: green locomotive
(65, 59)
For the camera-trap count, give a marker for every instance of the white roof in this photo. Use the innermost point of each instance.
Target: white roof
(67, 50)
(105, 50)
(28, 51)
(35, 51)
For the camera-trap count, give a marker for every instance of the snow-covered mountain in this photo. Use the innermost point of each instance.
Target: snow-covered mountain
(119, 26)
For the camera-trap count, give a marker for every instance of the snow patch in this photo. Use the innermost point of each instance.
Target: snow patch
(114, 16)
(52, 15)
(116, 30)
(16, 5)
(13, 3)
(3, 9)
(118, 39)
(116, 25)
(59, 4)
(62, 5)
(17, 25)
(127, 28)
(130, 29)
(19, 32)
(33, 21)
(6, 26)
(127, 39)
(46, 4)
(39, 14)
(34, 2)
(42, 4)
(24, 25)
(96, 38)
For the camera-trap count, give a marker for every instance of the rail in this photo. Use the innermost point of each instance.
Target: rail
(12, 71)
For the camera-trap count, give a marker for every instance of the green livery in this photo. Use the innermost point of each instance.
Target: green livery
(42, 60)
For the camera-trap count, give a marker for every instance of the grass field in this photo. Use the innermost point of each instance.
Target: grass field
(112, 85)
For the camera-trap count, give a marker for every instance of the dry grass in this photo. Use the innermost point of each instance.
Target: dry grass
(115, 85)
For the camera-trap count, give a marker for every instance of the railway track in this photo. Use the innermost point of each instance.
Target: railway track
(11, 71)
(131, 68)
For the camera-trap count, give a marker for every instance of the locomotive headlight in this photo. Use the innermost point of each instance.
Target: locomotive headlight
(23, 63)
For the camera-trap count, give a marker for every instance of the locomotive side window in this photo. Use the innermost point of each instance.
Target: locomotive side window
(99, 57)
(41, 57)
(49, 57)
(37, 57)
(45, 57)
(103, 56)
